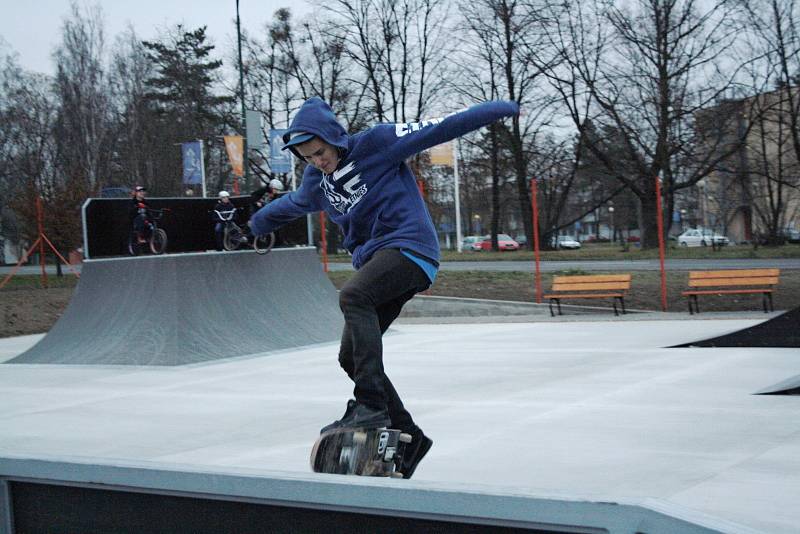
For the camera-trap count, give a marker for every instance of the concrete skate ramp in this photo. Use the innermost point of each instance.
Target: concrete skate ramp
(190, 308)
(781, 331)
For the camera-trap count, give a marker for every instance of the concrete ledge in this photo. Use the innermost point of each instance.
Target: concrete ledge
(326, 499)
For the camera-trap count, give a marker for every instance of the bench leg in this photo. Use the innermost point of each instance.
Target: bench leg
(550, 305)
(614, 303)
(622, 302)
(767, 297)
(558, 303)
(689, 302)
(696, 304)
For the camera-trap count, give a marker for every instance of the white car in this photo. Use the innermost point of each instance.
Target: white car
(567, 241)
(471, 242)
(701, 238)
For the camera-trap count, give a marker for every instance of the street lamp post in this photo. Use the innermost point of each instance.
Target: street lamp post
(613, 228)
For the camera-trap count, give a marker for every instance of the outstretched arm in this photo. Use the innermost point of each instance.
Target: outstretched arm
(287, 208)
(403, 140)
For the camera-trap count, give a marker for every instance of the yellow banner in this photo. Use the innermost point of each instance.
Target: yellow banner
(234, 144)
(442, 154)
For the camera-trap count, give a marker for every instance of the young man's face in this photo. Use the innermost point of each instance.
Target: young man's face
(320, 154)
(140, 195)
(225, 200)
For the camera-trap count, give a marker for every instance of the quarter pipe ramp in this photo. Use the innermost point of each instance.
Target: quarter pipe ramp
(191, 308)
(781, 331)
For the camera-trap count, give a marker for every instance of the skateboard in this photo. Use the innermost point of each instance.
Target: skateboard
(376, 452)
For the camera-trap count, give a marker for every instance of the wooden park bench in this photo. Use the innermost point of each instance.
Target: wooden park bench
(732, 282)
(594, 286)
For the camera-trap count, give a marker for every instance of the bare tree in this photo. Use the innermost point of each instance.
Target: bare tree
(645, 72)
(82, 87)
(398, 49)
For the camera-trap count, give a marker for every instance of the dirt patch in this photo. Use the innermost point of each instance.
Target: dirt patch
(31, 311)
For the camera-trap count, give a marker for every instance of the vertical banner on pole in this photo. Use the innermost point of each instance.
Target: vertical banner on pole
(660, 215)
(192, 163)
(535, 206)
(193, 167)
(234, 145)
(255, 136)
(280, 161)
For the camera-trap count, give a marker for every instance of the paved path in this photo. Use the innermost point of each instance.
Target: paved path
(552, 266)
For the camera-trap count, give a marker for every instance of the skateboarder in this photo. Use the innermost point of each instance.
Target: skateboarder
(364, 185)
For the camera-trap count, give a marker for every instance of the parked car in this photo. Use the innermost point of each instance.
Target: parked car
(791, 235)
(701, 238)
(504, 242)
(567, 241)
(471, 242)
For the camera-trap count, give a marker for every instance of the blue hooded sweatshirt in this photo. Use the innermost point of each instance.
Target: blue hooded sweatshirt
(373, 195)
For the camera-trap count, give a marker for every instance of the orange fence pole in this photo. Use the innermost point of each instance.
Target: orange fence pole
(660, 215)
(57, 253)
(323, 241)
(40, 224)
(535, 206)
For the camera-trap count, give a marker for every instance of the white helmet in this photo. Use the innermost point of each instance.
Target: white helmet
(276, 185)
(224, 194)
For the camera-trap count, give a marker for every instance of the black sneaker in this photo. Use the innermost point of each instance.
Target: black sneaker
(336, 424)
(358, 415)
(415, 452)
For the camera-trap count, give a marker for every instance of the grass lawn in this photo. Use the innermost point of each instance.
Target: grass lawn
(645, 293)
(607, 251)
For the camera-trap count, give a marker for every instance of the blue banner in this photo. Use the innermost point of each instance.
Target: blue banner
(280, 161)
(192, 162)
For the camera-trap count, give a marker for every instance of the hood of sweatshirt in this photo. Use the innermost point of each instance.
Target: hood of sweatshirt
(316, 117)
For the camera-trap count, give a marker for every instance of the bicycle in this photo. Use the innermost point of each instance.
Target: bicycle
(234, 236)
(157, 241)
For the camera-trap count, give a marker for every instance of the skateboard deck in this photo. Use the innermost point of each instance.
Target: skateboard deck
(373, 452)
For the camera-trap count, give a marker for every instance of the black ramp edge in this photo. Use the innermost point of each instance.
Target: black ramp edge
(191, 308)
(790, 386)
(782, 331)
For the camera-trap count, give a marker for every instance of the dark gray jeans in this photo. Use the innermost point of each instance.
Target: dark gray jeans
(370, 301)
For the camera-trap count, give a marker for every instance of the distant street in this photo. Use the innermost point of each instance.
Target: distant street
(608, 265)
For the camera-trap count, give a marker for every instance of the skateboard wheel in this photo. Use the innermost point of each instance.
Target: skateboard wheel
(405, 438)
(397, 474)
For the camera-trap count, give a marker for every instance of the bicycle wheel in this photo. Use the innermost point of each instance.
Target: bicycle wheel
(263, 243)
(133, 245)
(232, 238)
(158, 241)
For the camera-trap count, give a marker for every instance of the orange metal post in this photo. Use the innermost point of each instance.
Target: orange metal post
(660, 215)
(535, 206)
(40, 224)
(323, 241)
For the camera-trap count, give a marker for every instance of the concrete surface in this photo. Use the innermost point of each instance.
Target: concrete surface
(591, 408)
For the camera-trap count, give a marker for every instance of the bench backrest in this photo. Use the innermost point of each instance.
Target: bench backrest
(592, 282)
(734, 277)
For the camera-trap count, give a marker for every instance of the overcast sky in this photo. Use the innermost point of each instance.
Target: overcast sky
(32, 28)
